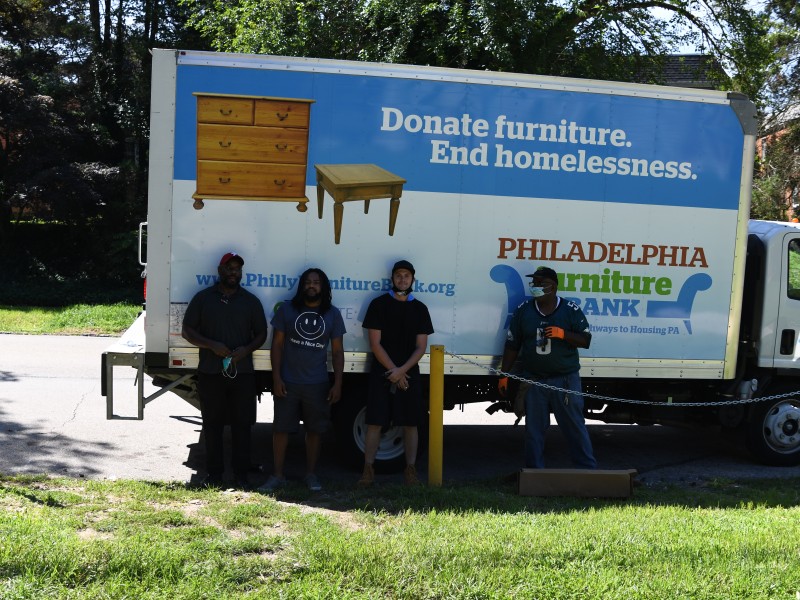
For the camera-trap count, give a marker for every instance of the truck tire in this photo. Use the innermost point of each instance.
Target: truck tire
(350, 428)
(773, 432)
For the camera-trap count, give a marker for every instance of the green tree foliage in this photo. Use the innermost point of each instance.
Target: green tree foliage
(318, 28)
(74, 117)
(784, 84)
(776, 189)
(609, 39)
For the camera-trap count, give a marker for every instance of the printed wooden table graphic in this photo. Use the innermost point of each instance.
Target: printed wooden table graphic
(357, 182)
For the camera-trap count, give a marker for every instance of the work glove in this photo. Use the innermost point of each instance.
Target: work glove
(554, 332)
(502, 386)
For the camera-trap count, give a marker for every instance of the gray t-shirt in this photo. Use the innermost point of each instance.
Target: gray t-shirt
(305, 348)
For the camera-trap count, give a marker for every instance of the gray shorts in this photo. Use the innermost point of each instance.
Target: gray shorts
(308, 403)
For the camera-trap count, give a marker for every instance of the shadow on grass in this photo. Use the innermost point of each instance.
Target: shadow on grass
(500, 495)
(480, 467)
(481, 463)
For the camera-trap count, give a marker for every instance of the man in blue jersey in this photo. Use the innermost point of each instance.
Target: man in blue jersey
(548, 330)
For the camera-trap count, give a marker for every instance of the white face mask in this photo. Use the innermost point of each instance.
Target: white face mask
(537, 292)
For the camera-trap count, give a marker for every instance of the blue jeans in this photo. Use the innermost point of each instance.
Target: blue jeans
(568, 410)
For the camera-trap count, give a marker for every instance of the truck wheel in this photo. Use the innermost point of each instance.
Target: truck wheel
(773, 432)
(351, 430)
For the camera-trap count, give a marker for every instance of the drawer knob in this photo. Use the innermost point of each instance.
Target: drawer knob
(279, 181)
(281, 117)
(224, 179)
(226, 112)
(281, 146)
(225, 144)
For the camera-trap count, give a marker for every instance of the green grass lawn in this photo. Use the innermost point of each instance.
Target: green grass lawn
(78, 319)
(64, 538)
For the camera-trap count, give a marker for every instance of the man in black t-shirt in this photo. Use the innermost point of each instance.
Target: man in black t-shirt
(228, 324)
(398, 326)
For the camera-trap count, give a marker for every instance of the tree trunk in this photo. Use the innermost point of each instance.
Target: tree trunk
(147, 15)
(154, 23)
(94, 20)
(120, 38)
(107, 28)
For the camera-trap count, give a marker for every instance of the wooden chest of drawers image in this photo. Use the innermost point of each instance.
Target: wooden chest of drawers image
(252, 148)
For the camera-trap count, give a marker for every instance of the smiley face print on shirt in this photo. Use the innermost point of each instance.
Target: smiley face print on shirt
(310, 325)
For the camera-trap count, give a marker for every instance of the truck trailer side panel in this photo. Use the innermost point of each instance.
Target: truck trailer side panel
(637, 195)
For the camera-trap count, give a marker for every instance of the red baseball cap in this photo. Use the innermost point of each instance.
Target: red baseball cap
(224, 260)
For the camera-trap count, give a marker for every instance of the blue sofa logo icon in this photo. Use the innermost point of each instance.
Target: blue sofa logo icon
(515, 290)
(680, 308)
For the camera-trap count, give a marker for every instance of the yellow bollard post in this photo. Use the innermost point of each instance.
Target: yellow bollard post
(436, 422)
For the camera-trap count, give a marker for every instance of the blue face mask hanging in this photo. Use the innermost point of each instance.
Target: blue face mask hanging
(228, 367)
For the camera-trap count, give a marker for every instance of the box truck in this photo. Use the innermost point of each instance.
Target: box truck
(637, 195)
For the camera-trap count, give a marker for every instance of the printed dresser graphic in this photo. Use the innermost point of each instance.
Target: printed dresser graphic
(251, 148)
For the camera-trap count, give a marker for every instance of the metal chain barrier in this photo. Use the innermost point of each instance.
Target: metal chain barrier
(622, 400)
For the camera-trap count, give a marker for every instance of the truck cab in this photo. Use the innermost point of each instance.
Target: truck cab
(771, 325)
(779, 316)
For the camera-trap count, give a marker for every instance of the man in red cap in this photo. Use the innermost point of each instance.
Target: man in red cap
(228, 324)
(547, 331)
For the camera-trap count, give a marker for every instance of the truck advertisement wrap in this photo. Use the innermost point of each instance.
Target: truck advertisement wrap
(632, 200)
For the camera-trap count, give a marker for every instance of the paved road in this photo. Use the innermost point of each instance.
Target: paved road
(52, 420)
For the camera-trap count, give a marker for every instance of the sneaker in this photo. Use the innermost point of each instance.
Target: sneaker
(410, 475)
(312, 482)
(367, 477)
(272, 484)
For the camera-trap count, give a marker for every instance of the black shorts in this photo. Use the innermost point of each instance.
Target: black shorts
(401, 408)
(306, 402)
